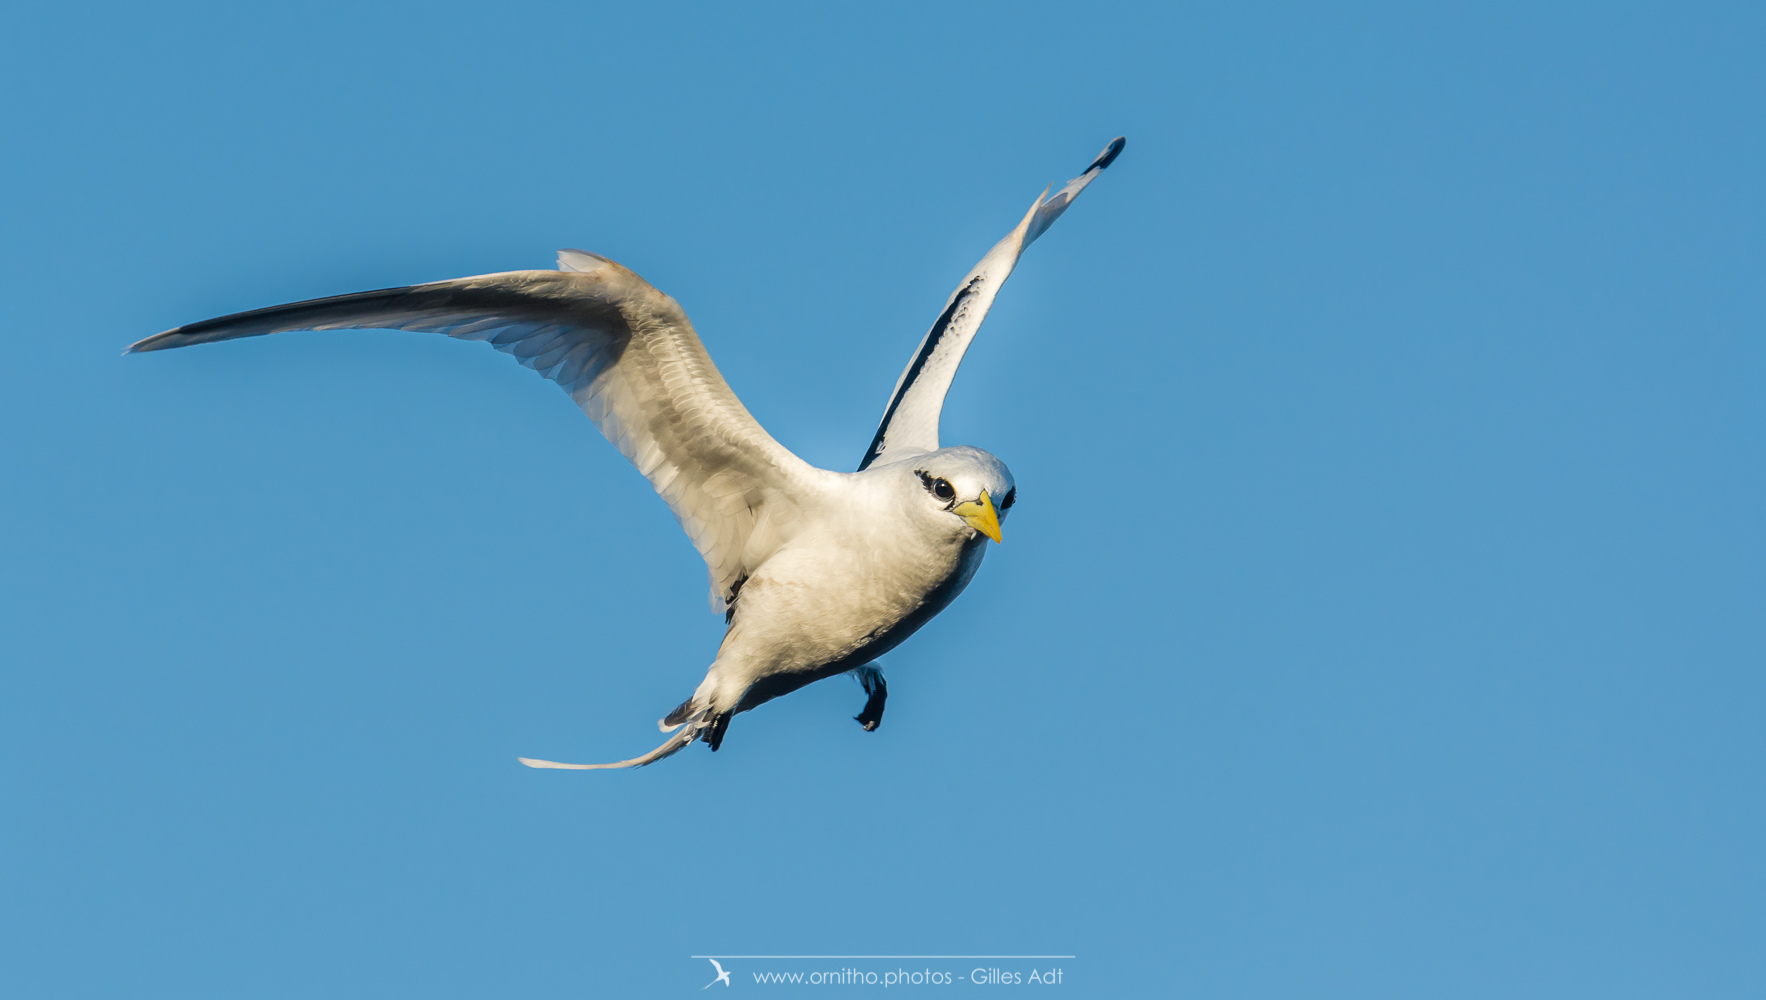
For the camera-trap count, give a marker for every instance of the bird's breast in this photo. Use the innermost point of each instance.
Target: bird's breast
(824, 601)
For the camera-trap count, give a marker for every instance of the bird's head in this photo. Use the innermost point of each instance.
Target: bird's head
(967, 485)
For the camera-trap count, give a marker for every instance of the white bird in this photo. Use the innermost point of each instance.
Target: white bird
(722, 976)
(817, 572)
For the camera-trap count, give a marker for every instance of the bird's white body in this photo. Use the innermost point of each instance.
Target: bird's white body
(873, 563)
(817, 572)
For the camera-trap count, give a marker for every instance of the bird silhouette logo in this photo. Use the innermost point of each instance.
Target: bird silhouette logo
(722, 976)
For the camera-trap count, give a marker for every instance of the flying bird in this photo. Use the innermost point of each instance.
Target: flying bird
(816, 572)
(722, 976)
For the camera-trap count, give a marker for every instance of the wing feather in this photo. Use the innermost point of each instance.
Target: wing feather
(627, 356)
(910, 421)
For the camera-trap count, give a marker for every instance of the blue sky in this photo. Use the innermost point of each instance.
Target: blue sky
(1382, 613)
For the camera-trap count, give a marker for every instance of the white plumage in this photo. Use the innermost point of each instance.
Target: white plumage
(818, 572)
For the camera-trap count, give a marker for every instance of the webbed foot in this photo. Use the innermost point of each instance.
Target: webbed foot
(871, 678)
(714, 733)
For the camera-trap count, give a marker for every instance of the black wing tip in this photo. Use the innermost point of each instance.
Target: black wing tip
(1110, 153)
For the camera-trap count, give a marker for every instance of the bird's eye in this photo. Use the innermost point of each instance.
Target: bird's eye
(940, 488)
(1009, 499)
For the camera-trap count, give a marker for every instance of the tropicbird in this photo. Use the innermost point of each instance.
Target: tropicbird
(816, 572)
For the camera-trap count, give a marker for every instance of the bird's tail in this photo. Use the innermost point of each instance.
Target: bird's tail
(700, 715)
(672, 746)
(689, 722)
(686, 711)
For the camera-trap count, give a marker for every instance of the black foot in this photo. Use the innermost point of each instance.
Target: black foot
(714, 734)
(872, 715)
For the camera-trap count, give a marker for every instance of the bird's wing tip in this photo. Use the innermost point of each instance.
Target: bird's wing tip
(177, 336)
(583, 261)
(531, 762)
(1110, 153)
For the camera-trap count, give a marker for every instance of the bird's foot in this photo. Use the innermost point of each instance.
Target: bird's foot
(713, 734)
(871, 678)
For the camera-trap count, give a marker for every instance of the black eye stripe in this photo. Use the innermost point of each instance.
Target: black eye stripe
(1010, 498)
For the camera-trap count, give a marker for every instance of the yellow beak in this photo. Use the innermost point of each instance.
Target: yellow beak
(980, 515)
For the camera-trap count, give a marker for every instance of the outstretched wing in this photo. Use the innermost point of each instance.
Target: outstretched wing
(627, 355)
(910, 424)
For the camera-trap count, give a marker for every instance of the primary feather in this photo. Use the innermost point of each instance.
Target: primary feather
(910, 421)
(627, 355)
